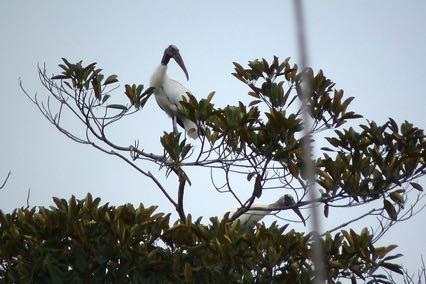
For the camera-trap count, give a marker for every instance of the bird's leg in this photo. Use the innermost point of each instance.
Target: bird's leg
(175, 130)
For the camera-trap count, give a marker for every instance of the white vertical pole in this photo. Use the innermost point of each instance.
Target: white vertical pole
(318, 254)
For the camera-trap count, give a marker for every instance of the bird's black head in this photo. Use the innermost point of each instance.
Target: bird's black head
(173, 52)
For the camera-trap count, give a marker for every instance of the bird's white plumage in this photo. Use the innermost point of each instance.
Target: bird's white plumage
(257, 211)
(252, 216)
(168, 93)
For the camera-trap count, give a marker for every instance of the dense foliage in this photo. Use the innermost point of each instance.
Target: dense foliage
(81, 241)
(372, 166)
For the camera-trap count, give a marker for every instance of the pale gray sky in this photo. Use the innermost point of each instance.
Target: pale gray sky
(374, 50)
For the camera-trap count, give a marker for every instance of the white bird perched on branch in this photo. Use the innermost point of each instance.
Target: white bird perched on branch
(168, 92)
(249, 218)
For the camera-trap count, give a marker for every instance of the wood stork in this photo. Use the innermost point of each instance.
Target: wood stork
(252, 216)
(168, 92)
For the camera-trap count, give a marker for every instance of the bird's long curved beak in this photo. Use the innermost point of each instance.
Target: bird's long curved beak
(180, 62)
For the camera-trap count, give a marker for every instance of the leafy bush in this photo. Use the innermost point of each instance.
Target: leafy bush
(372, 166)
(82, 241)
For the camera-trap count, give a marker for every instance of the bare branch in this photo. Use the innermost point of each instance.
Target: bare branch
(181, 192)
(5, 180)
(369, 213)
(28, 198)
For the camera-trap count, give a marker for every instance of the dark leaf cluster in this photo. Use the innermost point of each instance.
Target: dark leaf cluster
(77, 76)
(261, 139)
(81, 241)
(135, 95)
(374, 163)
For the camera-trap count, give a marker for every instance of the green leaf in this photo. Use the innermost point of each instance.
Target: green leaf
(253, 94)
(293, 169)
(416, 186)
(346, 103)
(128, 92)
(326, 210)
(69, 65)
(333, 141)
(105, 98)
(60, 77)
(185, 151)
(111, 79)
(394, 267)
(139, 89)
(58, 202)
(96, 87)
(255, 102)
(210, 96)
(390, 209)
(148, 91)
(65, 68)
(397, 197)
(68, 84)
(117, 106)
(144, 100)
(383, 251)
(394, 125)
(393, 257)
(257, 190)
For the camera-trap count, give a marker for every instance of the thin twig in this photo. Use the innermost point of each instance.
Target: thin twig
(350, 221)
(181, 192)
(5, 181)
(28, 198)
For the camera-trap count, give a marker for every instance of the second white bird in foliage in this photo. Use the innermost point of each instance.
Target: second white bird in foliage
(249, 218)
(168, 92)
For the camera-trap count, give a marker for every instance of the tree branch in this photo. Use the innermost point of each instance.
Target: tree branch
(5, 181)
(181, 192)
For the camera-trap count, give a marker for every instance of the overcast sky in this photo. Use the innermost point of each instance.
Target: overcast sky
(374, 50)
